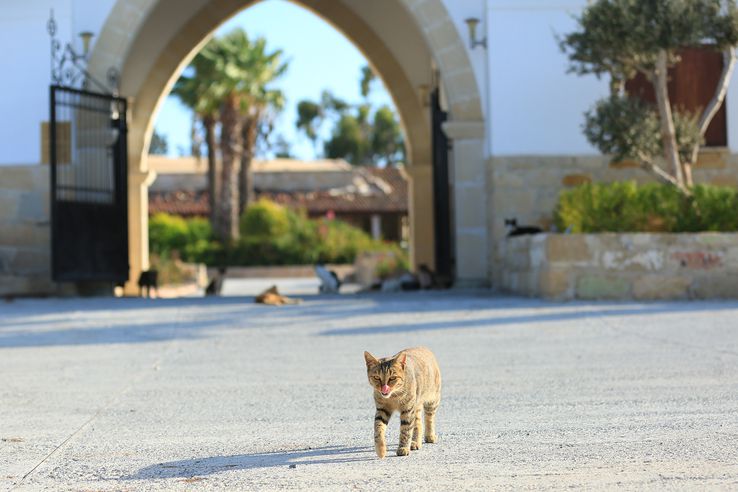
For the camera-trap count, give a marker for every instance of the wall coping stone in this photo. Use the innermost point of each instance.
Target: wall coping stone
(621, 266)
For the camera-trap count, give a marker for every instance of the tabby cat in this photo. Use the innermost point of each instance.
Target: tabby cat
(408, 383)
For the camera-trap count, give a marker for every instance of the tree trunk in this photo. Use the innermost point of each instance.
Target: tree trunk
(687, 170)
(195, 138)
(213, 182)
(246, 180)
(230, 150)
(668, 134)
(729, 62)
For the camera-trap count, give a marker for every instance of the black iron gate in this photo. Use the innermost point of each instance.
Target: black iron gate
(441, 191)
(89, 196)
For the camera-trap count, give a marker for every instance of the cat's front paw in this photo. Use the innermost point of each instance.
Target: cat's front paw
(414, 446)
(381, 451)
(403, 451)
(431, 439)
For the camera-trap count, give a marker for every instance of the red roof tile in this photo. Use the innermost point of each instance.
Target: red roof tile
(184, 203)
(395, 200)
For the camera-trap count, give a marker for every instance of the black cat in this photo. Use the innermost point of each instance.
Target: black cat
(515, 230)
(216, 284)
(149, 279)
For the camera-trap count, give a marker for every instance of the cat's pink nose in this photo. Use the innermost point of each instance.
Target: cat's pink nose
(385, 390)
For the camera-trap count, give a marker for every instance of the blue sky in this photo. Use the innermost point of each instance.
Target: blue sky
(320, 58)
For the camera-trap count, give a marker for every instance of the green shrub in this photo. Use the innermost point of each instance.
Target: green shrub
(391, 263)
(270, 235)
(341, 242)
(170, 270)
(627, 207)
(167, 233)
(265, 219)
(173, 235)
(274, 235)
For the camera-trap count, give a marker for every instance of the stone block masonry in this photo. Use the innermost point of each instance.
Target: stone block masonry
(25, 231)
(640, 266)
(527, 188)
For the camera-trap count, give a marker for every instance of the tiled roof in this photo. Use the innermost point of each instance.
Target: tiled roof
(388, 194)
(185, 203)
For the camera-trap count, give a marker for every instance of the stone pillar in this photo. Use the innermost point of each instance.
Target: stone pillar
(470, 202)
(138, 225)
(376, 226)
(422, 245)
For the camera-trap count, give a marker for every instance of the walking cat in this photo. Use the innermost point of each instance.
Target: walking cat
(408, 383)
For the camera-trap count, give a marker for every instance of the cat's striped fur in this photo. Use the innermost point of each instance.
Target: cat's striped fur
(408, 383)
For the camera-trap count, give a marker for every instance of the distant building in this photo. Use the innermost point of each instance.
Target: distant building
(373, 199)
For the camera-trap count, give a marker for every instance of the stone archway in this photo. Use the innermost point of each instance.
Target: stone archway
(150, 41)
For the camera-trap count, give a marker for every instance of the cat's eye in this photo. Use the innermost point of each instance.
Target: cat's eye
(392, 379)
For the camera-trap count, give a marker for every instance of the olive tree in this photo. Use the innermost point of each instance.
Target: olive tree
(624, 38)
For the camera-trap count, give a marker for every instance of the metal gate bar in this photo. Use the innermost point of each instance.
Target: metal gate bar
(89, 197)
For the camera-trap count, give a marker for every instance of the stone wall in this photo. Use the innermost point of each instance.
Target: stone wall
(25, 252)
(527, 187)
(621, 266)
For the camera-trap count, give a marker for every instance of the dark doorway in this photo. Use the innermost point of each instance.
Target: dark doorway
(441, 191)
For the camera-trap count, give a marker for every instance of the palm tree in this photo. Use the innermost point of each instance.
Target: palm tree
(233, 88)
(245, 72)
(196, 89)
(252, 70)
(258, 116)
(230, 151)
(228, 82)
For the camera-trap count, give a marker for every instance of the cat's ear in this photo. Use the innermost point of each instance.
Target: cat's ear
(401, 359)
(371, 361)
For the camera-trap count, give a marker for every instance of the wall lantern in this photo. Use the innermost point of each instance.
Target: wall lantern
(69, 68)
(472, 23)
(86, 38)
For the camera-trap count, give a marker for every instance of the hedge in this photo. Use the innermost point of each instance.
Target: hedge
(628, 207)
(270, 235)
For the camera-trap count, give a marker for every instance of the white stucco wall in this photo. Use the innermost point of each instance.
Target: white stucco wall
(24, 86)
(535, 106)
(90, 15)
(459, 12)
(26, 66)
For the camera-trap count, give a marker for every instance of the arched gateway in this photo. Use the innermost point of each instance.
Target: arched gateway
(150, 41)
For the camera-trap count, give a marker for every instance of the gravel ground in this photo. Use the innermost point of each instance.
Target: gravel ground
(133, 394)
(288, 286)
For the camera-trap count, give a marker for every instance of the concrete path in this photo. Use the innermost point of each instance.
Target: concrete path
(127, 394)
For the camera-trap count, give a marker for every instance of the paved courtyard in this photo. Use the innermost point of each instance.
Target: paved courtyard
(133, 394)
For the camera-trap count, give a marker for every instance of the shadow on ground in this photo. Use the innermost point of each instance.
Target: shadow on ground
(547, 316)
(79, 322)
(108, 334)
(217, 464)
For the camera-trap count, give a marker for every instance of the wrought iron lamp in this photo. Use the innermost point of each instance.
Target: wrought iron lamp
(472, 23)
(70, 68)
(86, 38)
